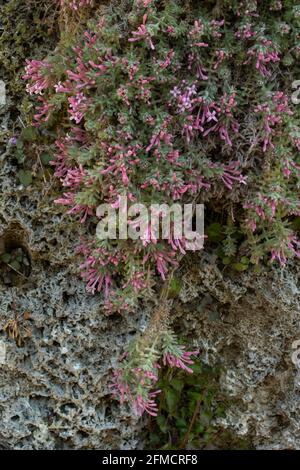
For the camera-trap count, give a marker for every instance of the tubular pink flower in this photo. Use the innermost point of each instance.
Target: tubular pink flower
(162, 260)
(245, 32)
(142, 33)
(43, 111)
(78, 107)
(68, 199)
(264, 54)
(37, 72)
(74, 177)
(137, 281)
(180, 361)
(147, 405)
(96, 282)
(230, 173)
(272, 116)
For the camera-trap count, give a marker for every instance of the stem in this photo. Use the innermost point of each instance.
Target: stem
(160, 317)
(187, 434)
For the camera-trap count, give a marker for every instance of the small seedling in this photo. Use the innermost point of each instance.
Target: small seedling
(15, 264)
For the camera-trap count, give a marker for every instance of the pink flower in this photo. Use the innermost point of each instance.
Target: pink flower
(290, 167)
(119, 388)
(229, 173)
(142, 33)
(96, 281)
(245, 32)
(167, 62)
(251, 224)
(197, 32)
(136, 391)
(216, 25)
(61, 159)
(74, 177)
(184, 96)
(148, 405)
(272, 114)
(78, 107)
(63, 87)
(264, 54)
(280, 253)
(180, 361)
(162, 260)
(194, 61)
(43, 111)
(68, 199)
(122, 160)
(138, 281)
(144, 3)
(221, 56)
(122, 93)
(38, 73)
(199, 44)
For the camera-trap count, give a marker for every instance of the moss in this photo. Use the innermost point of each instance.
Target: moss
(28, 29)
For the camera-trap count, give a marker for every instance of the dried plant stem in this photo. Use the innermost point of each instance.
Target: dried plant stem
(187, 434)
(160, 318)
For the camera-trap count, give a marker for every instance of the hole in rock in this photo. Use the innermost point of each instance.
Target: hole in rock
(15, 258)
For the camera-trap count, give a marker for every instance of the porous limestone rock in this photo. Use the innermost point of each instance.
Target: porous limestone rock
(248, 324)
(54, 388)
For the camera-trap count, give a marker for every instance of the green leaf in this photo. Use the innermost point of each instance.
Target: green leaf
(174, 288)
(25, 177)
(199, 429)
(162, 423)
(214, 315)
(5, 258)
(240, 267)
(15, 265)
(46, 158)
(19, 152)
(171, 399)
(204, 419)
(226, 260)
(29, 134)
(196, 368)
(295, 225)
(177, 384)
(194, 396)
(181, 424)
(214, 232)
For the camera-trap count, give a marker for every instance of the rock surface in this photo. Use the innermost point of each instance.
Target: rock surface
(54, 388)
(248, 323)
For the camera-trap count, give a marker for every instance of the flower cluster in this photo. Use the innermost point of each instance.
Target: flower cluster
(264, 53)
(160, 105)
(156, 123)
(38, 75)
(273, 113)
(137, 385)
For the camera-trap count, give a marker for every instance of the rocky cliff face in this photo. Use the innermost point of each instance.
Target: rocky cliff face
(248, 324)
(54, 387)
(58, 349)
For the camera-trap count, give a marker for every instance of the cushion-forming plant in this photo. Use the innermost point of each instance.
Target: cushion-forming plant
(163, 102)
